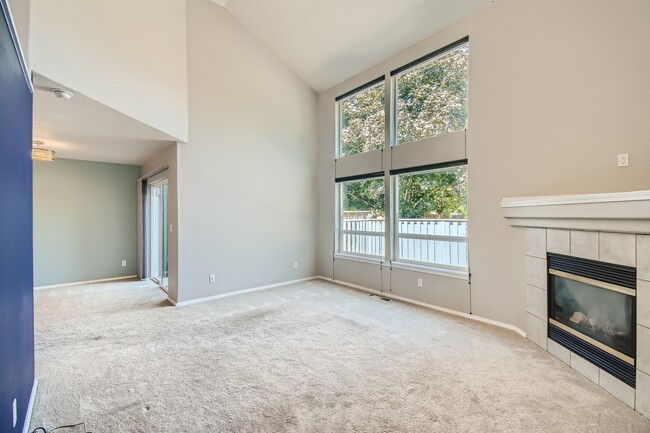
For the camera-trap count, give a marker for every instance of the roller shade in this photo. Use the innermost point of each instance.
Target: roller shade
(360, 88)
(429, 167)
(433, 150)
(359, 166)
(430, 56)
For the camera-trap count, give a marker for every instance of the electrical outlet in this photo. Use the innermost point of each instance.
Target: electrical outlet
(623, 159)
(419, 282)
(15, 408)
(212, 278)
(295, 265)
(123, 263)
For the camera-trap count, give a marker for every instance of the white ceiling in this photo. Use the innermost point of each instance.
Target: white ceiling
(328, 41)
(81, 128)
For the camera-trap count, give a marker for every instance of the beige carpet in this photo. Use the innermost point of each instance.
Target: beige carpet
(311, 357)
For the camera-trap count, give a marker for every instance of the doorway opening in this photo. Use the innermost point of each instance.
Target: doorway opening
(159, 235)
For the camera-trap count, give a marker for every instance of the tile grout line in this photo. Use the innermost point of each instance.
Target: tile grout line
(537, 317)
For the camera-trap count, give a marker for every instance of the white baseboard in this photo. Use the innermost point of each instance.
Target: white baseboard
(30, 407)
(239, 292)
(78, 283)
(423, 304)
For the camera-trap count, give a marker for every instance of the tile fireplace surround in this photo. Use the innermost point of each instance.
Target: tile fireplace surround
(612, 228)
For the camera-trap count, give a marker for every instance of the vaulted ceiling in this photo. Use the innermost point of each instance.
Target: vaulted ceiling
(328, 41)
(323, 41)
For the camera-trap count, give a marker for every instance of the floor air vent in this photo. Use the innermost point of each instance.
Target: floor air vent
(381, 297)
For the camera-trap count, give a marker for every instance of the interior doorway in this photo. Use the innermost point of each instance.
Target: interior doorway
(159, 234)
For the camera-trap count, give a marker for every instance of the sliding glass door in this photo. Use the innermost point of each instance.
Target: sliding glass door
(159, 235)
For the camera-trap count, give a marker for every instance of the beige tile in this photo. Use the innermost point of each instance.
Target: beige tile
(584, 244)
(643, 257)
(584, 367)
(536, 242)
(643, 348)
(536, 302)
(560, 352)
(536, 272)
(617, 388)
(619, 248)
(643, 303)
(536, 330)
(558, 241)
(642, 393)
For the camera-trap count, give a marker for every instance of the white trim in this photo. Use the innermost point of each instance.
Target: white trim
(78, 283)
(363, 232)
(239, 292)
(443, 272)
(575, 199)
(171, 301)
(16, 42)
(359, 258)
(30, 407)
(626, 212)
(635, 226)
(433, 307)
(462, 239)
(153, 173)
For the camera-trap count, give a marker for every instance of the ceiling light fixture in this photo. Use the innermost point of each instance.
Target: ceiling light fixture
(40, 153)
(62, 94)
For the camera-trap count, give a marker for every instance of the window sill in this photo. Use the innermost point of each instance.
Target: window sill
(443, 272)
(356, 258)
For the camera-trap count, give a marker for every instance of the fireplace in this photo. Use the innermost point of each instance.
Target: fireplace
(605, 229)
(592, 312)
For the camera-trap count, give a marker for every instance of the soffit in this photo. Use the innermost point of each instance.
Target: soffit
(82, 128)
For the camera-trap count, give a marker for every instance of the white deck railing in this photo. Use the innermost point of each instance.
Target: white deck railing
(439, 241)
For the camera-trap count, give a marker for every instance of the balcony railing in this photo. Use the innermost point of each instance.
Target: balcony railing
(436, 241)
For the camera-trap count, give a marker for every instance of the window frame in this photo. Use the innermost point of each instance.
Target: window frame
(358, 164)
(340, 232)
(339, 115)
(395, 240)
(396, 73)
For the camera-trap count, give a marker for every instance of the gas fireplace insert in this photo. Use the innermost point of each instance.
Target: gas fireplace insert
(592, 312)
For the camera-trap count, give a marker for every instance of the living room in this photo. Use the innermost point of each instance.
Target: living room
(546, 145)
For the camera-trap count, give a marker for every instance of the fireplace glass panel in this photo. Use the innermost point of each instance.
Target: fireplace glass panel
(602, 314)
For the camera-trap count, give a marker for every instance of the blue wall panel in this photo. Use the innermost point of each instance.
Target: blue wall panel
(16, 258)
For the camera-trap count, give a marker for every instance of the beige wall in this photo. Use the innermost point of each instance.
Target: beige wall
(20, 14)
(557, 90)
(169, 158)
(248, 173)
(130, 58)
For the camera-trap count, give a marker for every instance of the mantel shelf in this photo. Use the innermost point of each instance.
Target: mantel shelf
(627, 212)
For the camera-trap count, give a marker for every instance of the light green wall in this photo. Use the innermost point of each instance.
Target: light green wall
(84, 221)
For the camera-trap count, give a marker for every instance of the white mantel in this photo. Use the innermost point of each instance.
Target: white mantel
(626, 212)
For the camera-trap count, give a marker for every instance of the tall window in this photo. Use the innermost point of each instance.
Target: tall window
(432, 217)
(427, 192)
(363, 124)
(361, 219)
(432, 96)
